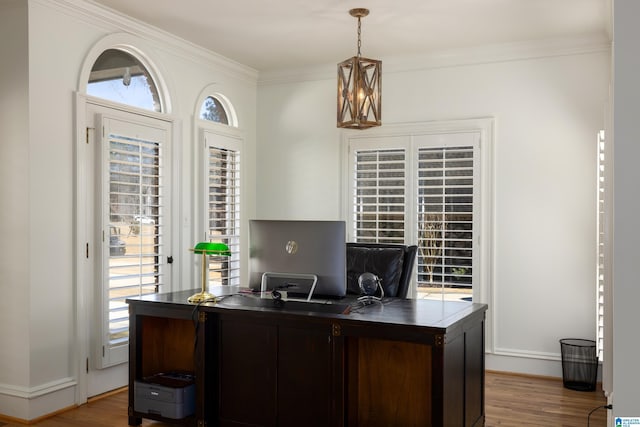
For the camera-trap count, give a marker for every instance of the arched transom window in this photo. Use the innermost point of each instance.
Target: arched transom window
(120, 77)
(212, 109)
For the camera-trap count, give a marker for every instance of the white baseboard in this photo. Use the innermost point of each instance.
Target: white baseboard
(26, 404)
(528, 364)
(522, 364)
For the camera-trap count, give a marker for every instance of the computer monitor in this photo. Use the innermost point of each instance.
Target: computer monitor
(298, 249)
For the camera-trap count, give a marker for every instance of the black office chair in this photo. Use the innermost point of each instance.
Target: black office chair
(392, 263)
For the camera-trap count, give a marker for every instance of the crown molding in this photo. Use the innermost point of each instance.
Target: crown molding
(111, 21)
(506, 52)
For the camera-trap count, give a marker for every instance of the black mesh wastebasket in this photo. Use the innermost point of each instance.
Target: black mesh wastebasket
(579, 364)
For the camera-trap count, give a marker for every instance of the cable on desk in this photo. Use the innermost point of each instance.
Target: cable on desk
(357, 305)
(196, 323)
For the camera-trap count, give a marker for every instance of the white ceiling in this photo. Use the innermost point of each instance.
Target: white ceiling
(277, 34)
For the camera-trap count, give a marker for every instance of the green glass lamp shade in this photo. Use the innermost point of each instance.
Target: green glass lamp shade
(212, 248)
(207, 249)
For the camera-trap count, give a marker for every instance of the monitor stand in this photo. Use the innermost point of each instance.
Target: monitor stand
(292, 276)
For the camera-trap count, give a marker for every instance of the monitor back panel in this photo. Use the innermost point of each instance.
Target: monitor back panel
(299, 247)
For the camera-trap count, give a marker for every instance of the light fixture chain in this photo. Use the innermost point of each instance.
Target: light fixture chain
(359, 41)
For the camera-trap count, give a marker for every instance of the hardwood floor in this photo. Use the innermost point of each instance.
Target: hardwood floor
(517, 401)
(511, 401)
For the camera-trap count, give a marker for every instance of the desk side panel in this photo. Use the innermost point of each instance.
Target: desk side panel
(304, 375)
(389, 383)
(453, 382)
(463, 375)
(247, 372)
(474, 368)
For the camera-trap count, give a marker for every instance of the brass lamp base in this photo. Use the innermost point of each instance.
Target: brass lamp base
(201, 297)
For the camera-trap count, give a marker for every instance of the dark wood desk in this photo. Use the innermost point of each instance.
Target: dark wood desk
(258, 363)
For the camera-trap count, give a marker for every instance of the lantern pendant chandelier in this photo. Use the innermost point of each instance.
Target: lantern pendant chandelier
(359, 87)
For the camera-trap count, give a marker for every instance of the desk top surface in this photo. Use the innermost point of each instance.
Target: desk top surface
(392, 311)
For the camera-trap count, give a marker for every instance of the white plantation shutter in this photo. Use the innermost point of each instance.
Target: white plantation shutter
(134, 224)
(379, 195)
(223, 204)
(421, 189)
(603, 275)
(445, 216)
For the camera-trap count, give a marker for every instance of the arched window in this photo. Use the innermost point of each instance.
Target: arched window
(132, 170)
(120, 77)
(213, 110)
(220, 198)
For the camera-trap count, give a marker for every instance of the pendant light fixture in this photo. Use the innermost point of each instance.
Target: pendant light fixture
(359, 87)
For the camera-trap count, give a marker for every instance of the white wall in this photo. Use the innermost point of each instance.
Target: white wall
(14, 193)
(626, 135)
(44, 46)
(547, 111)
(298, 151)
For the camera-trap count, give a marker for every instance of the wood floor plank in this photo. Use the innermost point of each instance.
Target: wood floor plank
(516, 400)
(511, 401)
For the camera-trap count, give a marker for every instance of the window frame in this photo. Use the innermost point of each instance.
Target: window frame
(233, 140)
(129, 44)
(137, 64)
(391, 136)
(93, 379)
(232, 117)
(221, 105)
(230, 132)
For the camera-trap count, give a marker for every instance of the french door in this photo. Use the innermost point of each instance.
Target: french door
(124, 190)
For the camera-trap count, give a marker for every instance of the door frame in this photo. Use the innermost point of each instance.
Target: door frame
(84, 248)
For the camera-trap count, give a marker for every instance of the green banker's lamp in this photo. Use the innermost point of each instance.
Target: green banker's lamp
(207, 249)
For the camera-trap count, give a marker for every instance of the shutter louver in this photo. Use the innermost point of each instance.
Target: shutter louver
(445, 216)
(601, 238)
(379, 196)
(135, 226)
(223, 212)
